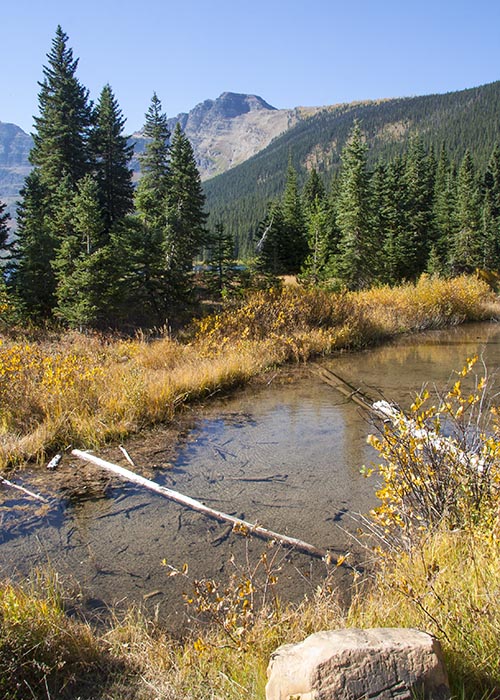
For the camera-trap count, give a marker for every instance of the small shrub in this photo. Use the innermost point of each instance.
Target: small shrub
(440, 463)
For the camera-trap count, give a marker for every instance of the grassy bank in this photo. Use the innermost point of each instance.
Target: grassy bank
(85, 390)
(434, 539)
(43, 654)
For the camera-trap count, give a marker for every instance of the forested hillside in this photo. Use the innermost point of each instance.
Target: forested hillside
(461, 121)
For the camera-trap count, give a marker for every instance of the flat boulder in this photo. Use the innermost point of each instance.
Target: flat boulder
(352, 664)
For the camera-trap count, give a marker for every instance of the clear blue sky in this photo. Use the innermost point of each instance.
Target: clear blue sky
(291, 52)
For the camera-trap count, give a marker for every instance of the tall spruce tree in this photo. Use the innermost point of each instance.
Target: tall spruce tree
(61, 158)
(111, 154)
(60, 143)
(382, 206)
(491, 212)
(419, 236)
(317, 216)
(295, 248)
(445, 202)
(146, 242)
(185, 232)
(356, 249)
(151, 193)
(467, 251)
(316, 265)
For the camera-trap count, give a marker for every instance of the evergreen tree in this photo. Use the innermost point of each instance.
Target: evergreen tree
(395, 248)
(60, 142)
(4, 228)
(185, 232)
(419, 179)
(445, 202)
(317, 215)
(314, 189)
(30, 271)
(61, 158)
(272, 240)
(383, 205)
(146, 241)
(294, 248)
(112, 155)
(355, 257)
(491, 212)
(85, 269)
(151, 193)
(318, 230)
(221, 256)
(467, 250)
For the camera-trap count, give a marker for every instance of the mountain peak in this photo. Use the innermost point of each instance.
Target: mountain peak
(234, 103)
(228, 105)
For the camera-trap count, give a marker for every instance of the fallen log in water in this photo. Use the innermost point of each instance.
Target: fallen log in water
(240, 526)
(6, 482)
(354, 394)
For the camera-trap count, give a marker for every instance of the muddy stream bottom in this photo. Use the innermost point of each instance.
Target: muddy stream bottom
(285, 452)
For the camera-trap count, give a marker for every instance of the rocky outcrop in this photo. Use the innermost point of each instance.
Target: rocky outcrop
(226, 131)
(351, 664)
(223, 132)
(15, 146)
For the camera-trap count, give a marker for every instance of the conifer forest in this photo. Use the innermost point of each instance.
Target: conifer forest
(95, 249)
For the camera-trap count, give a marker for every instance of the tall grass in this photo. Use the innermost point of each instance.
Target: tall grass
(87, 389)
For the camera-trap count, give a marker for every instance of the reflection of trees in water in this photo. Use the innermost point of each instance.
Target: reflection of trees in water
(397, 371)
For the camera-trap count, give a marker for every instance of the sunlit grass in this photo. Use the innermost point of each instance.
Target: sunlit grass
(448, 588)
(86, 389)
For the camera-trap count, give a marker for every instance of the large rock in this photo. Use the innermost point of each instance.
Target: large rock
(352, 664)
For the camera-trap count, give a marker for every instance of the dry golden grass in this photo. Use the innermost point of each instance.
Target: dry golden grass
(448, 588)
(86, 389)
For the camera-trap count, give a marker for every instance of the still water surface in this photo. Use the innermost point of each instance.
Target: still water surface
(285, 454)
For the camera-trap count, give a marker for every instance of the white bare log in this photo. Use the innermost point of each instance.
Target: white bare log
(21, 488)
(241, 526)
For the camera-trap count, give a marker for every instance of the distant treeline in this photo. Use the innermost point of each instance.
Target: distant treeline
(377, 203)
(457, 121)
(415, 212)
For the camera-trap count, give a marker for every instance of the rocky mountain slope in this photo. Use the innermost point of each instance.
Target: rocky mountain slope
(227, 131)
(15, 146)
(461, 120)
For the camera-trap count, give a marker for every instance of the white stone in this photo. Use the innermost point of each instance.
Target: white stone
(352, 664)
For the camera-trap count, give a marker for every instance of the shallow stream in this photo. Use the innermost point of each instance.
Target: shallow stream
(285, 452)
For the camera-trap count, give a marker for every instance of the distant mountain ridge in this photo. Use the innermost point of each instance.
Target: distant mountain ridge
(15, 146)
(224, 132)
(461, 120)
(230, 129)
(242, 143)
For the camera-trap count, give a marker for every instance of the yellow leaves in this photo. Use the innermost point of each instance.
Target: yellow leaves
(419, 401)
(429, 475)
(470, 362)
(199, 646)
